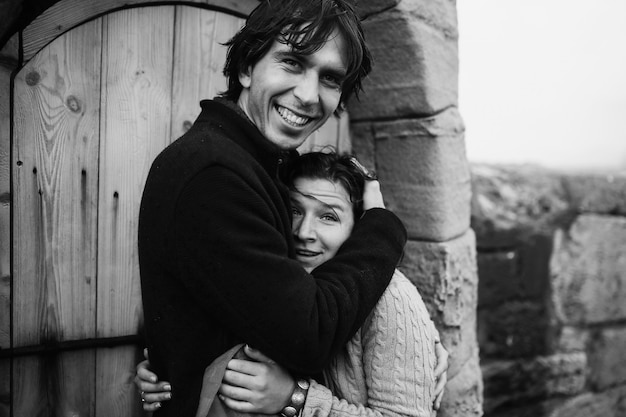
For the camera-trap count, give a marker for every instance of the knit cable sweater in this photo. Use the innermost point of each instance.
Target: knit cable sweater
(387, 368)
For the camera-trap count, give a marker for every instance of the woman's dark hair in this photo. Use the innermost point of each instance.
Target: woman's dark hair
(334, 167)
(305, 25)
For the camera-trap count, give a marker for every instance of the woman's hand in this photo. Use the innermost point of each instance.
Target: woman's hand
(258, 385)
(441, 373)
(152, 390)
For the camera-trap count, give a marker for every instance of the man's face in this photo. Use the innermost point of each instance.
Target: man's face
(288, 95)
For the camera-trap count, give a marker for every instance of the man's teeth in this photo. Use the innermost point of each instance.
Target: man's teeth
(291, 117)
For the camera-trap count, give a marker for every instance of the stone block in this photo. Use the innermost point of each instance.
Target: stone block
(367, 8)
(516, 383)
(498, 277)
(422, 168)
(445, 275)
(515, 329)
(464, 392)
(607, 358)
(589, 271)
(569, 339)
(429, 151)
(433, 213)
(424, 40)
(610, 403)
(511, 203)
(597, 194)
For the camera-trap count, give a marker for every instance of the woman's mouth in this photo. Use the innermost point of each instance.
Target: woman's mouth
(307, 253)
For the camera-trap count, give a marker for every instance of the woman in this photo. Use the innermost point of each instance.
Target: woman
(387, 368)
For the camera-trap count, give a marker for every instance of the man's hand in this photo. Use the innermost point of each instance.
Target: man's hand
(258, 385)
(372, 196)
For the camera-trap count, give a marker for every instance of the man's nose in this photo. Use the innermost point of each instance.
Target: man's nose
(304, 229)
(307, 89)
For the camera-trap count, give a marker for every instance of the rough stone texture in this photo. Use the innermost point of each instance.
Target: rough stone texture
(424, 40)
(367, 8)
(422, 167)
(569, 339)
(515, 329)
(518, 273)
(597, 194)
(511, 203)
(445, 275)
(611, 403)
(511, 383)
(464, 392)
(607, 357)
(589, 270)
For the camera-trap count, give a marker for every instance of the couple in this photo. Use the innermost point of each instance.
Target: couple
(219, 265)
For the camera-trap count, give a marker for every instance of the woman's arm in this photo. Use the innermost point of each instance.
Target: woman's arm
(397, 346)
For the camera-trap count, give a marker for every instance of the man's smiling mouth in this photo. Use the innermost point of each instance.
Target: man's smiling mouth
(291, 118)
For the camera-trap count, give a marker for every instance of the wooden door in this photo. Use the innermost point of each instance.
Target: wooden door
(91, 111)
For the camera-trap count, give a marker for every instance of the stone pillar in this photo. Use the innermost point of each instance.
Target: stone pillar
(407, 126)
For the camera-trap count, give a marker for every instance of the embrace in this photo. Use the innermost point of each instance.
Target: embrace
(242, 241)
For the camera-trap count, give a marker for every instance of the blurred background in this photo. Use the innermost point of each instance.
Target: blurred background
(544, 82)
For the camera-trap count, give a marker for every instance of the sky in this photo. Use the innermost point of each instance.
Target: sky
(544, 82)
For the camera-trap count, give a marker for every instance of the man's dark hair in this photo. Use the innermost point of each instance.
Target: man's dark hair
(305, 25)
(339, 168)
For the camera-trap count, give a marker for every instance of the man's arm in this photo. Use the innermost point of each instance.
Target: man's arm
(235, 262)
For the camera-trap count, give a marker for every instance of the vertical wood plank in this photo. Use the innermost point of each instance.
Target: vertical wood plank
(199, 60)
(55, 191)
(136, 99)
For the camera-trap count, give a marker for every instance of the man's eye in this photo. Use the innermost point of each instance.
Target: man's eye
(332, 80)
(291, 63)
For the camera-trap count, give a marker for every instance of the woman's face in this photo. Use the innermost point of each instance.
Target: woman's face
(322, 220)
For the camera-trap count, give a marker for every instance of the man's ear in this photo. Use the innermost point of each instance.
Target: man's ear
(245, 77)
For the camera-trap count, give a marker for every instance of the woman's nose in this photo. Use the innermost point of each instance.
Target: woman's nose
(304, 229)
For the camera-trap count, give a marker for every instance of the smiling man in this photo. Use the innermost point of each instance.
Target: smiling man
(217, 258)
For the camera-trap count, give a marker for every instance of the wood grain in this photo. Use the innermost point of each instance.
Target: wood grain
(136, 99)
(199, 59)
(67, 14)
(57, 98)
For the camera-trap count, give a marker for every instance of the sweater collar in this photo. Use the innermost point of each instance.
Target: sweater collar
(232, 119)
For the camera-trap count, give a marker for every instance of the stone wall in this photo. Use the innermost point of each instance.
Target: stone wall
(552, 291)
(408, 127)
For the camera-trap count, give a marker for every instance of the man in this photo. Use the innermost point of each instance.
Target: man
(216, 254)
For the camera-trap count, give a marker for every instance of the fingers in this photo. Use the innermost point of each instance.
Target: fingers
(237, 378)
(442, 360)
(241, 406)
(145, 354)
(256, 355)
(152, 401)
(372, 196)
(144, 373)
(439, 390)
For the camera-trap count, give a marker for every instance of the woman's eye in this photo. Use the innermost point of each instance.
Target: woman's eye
(295, 212)
(329, 217)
